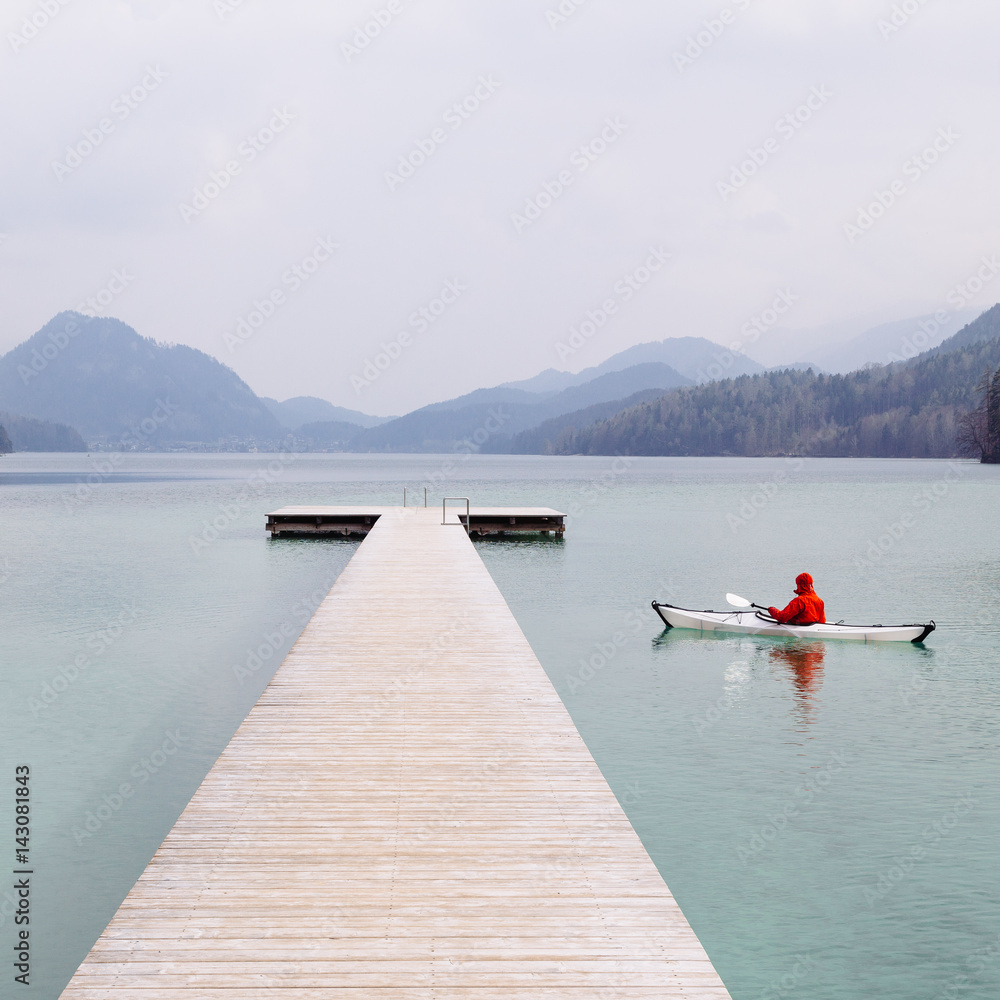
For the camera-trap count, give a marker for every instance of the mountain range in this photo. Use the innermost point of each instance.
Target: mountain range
(119, 390)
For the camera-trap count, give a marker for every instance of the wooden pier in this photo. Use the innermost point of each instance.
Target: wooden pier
(408, 813)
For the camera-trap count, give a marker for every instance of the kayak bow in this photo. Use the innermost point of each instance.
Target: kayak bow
(756, 623)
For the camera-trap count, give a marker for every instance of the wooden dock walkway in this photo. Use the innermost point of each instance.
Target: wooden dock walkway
(408, 813)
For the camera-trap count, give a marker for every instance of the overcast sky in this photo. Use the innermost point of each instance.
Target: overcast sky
(585, 146)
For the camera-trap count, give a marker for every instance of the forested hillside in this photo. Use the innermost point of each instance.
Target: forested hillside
(902, 410)
(28, 434)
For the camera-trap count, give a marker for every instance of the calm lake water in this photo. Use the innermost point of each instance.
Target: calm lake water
(827, 815)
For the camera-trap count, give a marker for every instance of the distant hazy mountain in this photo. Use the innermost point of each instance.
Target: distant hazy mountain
(501, 412)
(114, 386)
(614, 384)
(891, 342)
(834, 351)
(695, 358)
(28, 434)
(293, 413)
(549, 381)
(6, 447)
(498, 394)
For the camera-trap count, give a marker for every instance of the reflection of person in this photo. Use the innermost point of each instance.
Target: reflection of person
(805, 609)
(806, 661)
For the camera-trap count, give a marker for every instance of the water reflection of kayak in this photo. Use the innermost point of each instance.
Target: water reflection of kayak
(755, 623)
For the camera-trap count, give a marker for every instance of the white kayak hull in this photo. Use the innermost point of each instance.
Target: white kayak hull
(755, 623)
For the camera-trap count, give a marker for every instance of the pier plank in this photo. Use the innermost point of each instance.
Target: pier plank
(408, 812)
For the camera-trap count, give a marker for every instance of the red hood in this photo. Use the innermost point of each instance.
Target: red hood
(803, 584)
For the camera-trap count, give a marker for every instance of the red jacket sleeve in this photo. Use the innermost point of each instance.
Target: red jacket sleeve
(796, 606)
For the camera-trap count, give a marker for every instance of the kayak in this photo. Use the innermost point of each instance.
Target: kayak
(755, 623)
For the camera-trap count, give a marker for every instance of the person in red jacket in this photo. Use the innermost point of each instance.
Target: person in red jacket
(806, 609)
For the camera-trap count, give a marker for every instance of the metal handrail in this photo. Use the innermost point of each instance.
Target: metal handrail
(468, 520)
(425, 496)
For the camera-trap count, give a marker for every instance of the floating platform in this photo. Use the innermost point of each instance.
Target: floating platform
(407, 813)
(348, 522)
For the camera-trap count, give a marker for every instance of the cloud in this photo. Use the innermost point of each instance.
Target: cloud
(231, 68)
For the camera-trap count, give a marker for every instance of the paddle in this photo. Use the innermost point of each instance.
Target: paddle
(741, 602)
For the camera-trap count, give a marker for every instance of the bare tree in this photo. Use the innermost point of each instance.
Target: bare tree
(979, 429)
(993, 419)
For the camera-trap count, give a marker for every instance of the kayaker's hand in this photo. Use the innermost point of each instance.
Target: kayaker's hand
(773, 612)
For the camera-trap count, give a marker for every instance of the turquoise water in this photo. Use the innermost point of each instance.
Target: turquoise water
(826, 814)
